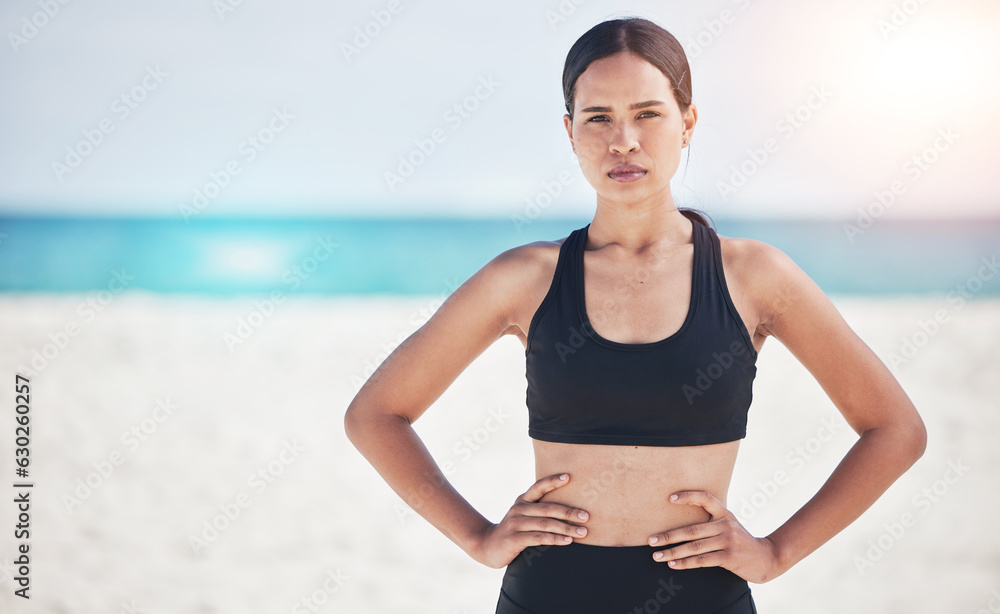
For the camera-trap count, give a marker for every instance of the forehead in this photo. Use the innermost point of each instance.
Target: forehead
(624, 77)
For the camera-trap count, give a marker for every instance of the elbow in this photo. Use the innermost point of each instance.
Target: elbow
(906, 437)
(354, 423)
(362, 421)
(918, 438)
(913, 435)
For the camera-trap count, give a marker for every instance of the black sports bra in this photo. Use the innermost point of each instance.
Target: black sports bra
(691, 388)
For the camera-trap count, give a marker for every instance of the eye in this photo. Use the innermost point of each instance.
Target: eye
(605, 118)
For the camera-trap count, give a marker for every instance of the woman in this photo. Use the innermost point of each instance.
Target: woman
(641, 333)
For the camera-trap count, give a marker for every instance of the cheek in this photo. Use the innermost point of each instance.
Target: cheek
(590, 149)
(664, 138)
(664, 145)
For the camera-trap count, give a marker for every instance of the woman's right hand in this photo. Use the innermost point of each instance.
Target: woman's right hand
(530, 522)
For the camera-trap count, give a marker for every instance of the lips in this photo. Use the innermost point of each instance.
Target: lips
(624, 173)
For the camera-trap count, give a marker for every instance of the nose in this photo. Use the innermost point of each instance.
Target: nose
(625, 139)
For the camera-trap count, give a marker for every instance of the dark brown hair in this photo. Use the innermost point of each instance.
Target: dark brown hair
(645, 39)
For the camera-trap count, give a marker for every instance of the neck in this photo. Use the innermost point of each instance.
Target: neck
(636, 225)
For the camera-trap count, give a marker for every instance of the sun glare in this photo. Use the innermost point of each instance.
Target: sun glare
(247, 259)
(917, 71)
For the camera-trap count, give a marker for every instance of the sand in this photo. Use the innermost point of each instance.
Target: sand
(175, 428)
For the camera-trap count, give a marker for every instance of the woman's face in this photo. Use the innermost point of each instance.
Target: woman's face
(627, 129)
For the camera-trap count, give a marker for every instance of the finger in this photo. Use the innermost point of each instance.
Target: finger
(700, 498)
(542, 538)
(544, 486)
(684, 534)
(551, 525)
(554, 510)
(690, 549)
(715, 558)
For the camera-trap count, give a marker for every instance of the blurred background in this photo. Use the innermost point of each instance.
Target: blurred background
(217, 217)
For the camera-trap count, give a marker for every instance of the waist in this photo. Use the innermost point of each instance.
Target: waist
(583, 578)
(626, 489)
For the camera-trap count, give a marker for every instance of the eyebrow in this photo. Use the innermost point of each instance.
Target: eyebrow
(631, 107)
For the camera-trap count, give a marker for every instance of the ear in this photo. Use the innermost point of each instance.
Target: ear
(690, 118)
(568, 122)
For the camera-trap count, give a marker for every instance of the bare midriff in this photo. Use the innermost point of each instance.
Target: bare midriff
(626, 489)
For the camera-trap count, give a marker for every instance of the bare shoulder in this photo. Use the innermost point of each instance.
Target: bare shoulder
(750, 256)
(523, 275)
(531, 255)
(766, 278)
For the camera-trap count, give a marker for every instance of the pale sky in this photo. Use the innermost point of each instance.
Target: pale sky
(174, 93)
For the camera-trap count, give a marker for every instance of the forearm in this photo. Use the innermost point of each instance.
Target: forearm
(875, 461)
(393, 448)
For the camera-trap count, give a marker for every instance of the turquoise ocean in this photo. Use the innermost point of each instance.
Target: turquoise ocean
(400, 256)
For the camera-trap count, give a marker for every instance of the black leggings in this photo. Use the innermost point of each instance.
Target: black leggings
(588, 579)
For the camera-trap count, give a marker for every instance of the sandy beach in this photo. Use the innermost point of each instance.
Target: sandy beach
(188, 455)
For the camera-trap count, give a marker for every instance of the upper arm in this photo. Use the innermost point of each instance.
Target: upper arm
(794, 310)
(470, 319)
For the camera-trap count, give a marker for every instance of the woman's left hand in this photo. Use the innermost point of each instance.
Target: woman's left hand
(720, 542)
